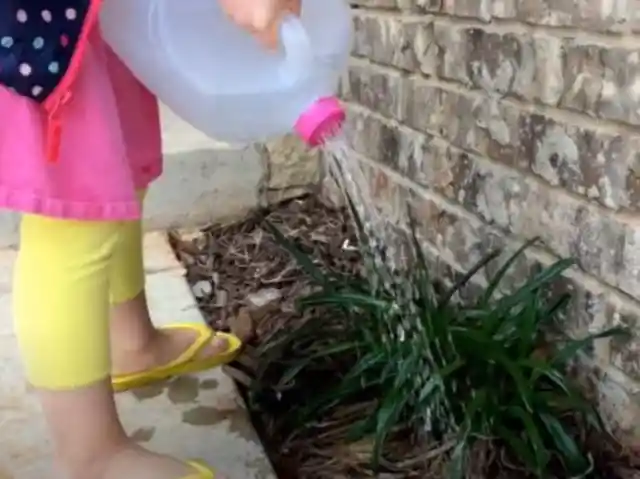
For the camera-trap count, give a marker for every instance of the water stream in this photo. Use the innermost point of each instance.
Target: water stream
(386, 260)
(354, 181)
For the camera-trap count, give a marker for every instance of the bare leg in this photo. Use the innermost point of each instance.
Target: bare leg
(63, 335)
(90, 442)
(136, 344)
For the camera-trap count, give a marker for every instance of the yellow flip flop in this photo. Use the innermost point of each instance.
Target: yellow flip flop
(202, 471)
(187, 363)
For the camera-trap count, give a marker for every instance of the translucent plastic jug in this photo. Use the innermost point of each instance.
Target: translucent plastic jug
(221, 80)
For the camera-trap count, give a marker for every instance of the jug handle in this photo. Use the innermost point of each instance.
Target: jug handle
(298, 53)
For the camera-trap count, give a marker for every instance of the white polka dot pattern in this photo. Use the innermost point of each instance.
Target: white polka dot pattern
(38, 39)
(25, 69)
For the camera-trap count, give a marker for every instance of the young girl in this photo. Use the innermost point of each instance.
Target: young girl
(79, 144)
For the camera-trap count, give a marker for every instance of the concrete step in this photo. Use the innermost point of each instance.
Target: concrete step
(200, 416)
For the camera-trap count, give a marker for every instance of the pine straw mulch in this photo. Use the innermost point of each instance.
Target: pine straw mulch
(245, 282)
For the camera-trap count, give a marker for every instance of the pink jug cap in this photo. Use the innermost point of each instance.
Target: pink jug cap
(322, 120)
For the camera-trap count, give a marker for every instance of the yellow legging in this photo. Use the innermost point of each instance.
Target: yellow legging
(67, 275)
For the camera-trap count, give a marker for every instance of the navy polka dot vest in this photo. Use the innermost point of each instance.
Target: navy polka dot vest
(39, 43)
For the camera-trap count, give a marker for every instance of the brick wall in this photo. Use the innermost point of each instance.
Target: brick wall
(500, 120)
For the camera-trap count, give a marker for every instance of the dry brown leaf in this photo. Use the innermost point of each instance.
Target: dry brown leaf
(241, 325)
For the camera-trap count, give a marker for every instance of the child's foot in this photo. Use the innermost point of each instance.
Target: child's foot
(166, 346)
(135, 462)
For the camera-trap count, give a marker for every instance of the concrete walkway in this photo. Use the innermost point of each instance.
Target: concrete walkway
(189, 417)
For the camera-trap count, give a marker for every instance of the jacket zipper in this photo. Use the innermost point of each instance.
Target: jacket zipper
(62, 95)
(53, 127)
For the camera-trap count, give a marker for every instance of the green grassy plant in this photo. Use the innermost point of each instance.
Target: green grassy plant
(426, 363)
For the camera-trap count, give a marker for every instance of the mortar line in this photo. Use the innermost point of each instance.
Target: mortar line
(533, 106)
(627, 217)
(620, 37)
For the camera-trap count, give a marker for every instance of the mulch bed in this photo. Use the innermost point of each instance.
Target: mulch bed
(245, 282)
(230, 264)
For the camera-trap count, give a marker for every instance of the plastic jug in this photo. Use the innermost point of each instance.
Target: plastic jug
(221, 80)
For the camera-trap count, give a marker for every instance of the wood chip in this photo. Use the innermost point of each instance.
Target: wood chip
(242, 325)
(202, 289)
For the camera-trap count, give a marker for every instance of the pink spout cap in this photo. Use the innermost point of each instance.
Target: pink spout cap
(321, 121)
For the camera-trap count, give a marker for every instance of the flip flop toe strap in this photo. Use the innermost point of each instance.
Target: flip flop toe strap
(201, 471)
(205, 336)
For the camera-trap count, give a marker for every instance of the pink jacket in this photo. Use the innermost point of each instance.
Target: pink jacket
(84, 151)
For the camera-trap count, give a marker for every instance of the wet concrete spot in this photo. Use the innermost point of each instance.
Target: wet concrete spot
(205, 416)
(149, 392)
(143, 434)
(210, 416)
(183, 389)
(209, 384)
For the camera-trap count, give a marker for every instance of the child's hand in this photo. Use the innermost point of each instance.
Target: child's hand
(261, 17)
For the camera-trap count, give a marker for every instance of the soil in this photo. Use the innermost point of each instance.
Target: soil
(245, 282)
